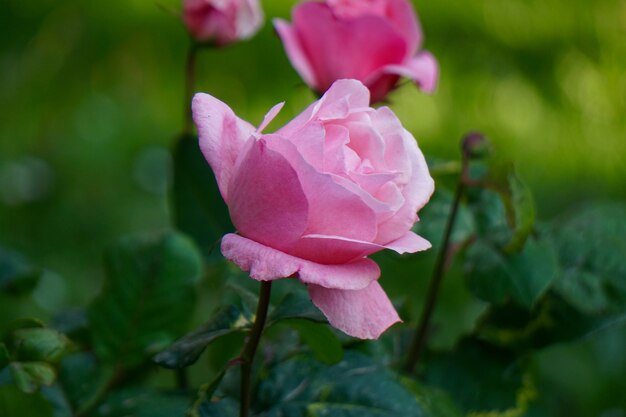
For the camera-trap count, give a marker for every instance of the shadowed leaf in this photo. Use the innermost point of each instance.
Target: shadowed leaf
(148, 297)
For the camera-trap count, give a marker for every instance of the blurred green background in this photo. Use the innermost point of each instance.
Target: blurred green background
(91, 99)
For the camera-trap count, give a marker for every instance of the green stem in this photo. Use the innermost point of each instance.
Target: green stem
(249, 350)
(419, 337)
(190, 85)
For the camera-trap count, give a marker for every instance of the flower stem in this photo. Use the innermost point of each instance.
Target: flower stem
(190, 85)
(419, 337)
(249, 350)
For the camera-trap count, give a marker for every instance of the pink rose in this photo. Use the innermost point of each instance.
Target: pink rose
(374, 41)
(339, 182)
(222, 21)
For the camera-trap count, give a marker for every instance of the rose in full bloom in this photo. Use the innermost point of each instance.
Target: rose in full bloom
(374, 41)
(339, 182)
(222, 21)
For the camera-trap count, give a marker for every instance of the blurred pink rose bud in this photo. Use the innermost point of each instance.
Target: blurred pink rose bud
(222, 21)
(339, 182)
(374, 41)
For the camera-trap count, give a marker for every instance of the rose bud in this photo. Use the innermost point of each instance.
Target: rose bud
(339, 182)
(222, 21)
(374, 41)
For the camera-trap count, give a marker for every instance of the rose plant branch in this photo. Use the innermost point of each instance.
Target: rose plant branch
(443, 258)
(252, 343)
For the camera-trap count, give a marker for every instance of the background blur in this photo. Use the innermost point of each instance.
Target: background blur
(91, 100)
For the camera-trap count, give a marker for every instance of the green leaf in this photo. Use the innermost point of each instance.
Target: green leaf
(142, 402)
(436, 402)
(493, 275)
(320, 339)
(17, 276)
(15, 403)
(25, 323)
(186, 351)
(223, 408)
(81, 376)
(591, 246)
(553, 320)
(29, 376)
(479, 376)
(249, 300)
(521, 211)
(148, 298)
(205, 394)
(57, 398)
(503, 205)
(199, 210)
(489, 213)
(304, 387)
(295, 305)
(38, 344)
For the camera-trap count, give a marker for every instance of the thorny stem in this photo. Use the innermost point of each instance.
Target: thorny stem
(249, 350)
(419, 337)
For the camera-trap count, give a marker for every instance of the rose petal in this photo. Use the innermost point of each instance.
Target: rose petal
(295, 52)
(249, 19)
(336, 249)
(222, 136)
(267, 203)
(332, 249)
(265, 263)
(270, 116)
(340, 100)
(405, 20)
(409, 243)
(333, 209)
(335, 47)
(364, 313)
(423, 69)
(418, 186)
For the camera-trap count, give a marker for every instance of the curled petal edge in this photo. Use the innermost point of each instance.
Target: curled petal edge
(423, 69)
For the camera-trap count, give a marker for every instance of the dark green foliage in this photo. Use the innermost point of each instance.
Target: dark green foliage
(148, 298)
(354, 386)
(198, 208)
(436, 402)
(325, 346)
(29, 376)
(222, 408)
(14, 403)
(592, 246)
(521, 211)
(17, 276)
(295, 305)
(494, 275)
(31, 353)
(498, 370)
(186, 351)
(552, 321)
(37, 344)
(81, 376)
(142, 402)
(4, 356)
